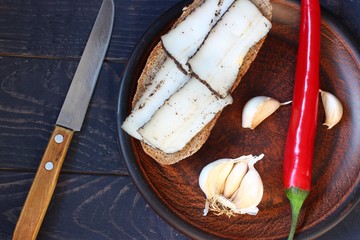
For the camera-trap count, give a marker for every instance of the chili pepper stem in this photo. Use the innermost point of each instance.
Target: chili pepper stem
(297, 197)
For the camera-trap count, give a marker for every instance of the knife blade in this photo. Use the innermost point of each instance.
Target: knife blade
(70, 120)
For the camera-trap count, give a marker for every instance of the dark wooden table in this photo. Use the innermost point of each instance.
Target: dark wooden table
(40, 45)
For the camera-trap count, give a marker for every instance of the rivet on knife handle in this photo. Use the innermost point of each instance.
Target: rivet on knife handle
(70, 119)
(43, 185)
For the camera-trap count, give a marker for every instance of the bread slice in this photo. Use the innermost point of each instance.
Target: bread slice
(155, 60)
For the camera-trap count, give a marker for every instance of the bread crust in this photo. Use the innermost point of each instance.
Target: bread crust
(155, 60)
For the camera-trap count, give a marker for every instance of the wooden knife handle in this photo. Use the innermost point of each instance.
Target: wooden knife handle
(43, 186)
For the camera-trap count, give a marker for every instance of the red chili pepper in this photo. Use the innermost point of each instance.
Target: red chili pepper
(302, 128)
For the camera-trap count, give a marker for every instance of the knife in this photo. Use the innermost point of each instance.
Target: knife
(70, 120)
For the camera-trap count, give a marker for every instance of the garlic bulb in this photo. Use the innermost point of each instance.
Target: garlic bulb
(333, 109)
(258, 109)
(232, 186)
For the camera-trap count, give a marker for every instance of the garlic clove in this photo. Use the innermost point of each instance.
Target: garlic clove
(212, 177)
(234, 179)
(333, 109)
(221, 177)
(251, 189)
(250, 192)
(257, 109)
(203, 181)
(203, 178)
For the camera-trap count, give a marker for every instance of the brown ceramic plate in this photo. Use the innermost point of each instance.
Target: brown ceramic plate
(173, 191)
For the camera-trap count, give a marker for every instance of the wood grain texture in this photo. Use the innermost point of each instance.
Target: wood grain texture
(84, 207)
(103, 208)
(40, 45)
(31, 95)
(346, 12)
(43, 186)
(59, 29)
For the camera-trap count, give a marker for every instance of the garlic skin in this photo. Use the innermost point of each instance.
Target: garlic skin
(232, 186)
(333, 109)
(258, 109)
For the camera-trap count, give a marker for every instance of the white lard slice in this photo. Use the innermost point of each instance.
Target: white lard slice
(182, 116)
(182, 41)
(167, 81)
(218, 60)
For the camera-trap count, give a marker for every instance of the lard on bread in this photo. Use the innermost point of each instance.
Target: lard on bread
(184, 60)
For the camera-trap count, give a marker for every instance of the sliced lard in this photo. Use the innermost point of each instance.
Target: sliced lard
(167, 81)
(182, 116)
(182, 41)
(218, 60)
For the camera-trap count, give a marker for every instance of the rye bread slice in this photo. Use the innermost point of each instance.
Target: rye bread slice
(155, 60)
